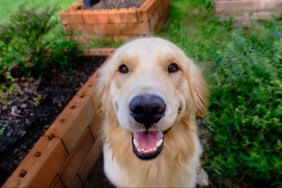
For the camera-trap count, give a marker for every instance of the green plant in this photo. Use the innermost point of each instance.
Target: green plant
(242, 132)
(31, 44)
(25, 42)
(245, 111)
(205, 3)
(12, 6)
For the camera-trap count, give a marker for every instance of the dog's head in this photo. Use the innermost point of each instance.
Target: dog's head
(148, 85)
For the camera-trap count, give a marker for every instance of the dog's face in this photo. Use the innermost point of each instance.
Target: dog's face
(148, 85)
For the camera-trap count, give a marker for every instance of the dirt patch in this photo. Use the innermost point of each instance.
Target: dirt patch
(110, 4)
(30, 113)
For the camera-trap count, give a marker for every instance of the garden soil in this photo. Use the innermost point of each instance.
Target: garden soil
(110, 4)
(30, 113)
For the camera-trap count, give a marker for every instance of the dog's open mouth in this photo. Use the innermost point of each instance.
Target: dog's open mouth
(148, 144)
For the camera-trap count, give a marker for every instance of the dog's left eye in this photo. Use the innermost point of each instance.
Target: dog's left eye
(172, 68)
(123, 69)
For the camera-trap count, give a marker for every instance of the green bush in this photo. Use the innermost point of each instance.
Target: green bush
(31, 44)
(27, 40)
(245, 112)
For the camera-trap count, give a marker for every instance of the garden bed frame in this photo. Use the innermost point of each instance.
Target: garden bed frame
(116, 24)
(245, 11)
(69, 149)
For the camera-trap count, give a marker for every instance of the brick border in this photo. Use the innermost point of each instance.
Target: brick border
(246, 10)
(116, 24)
(69, 149)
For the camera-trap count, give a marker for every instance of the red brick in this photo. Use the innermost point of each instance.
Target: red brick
(95, 17)
(142, 11)
(154, 20)
(40, 166)
(148, 9)
(97, 29)
(72, 15)
(98, 22)
(91, 159)
(135, 29)
(72, 122)
(107, 29)
(123, 15)
(76, 158)
(236, 6)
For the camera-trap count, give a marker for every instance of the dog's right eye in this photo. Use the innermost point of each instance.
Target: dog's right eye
(123, 69)
(172, 68)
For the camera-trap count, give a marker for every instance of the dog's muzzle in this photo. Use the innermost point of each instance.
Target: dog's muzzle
(147, 110)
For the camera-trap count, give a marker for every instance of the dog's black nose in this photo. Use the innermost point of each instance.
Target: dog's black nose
(147, 109)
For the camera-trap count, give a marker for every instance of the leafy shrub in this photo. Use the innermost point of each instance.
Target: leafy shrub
(30, 45)
(246, 109)
(25, 43)
(206, 3)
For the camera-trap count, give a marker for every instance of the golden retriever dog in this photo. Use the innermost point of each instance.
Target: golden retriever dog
(149, 94)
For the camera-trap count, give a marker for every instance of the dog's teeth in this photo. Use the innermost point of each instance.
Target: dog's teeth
(149, 150)
(159, 142)
(135, 142)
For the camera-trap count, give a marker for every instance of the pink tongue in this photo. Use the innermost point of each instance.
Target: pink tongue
(148, 139)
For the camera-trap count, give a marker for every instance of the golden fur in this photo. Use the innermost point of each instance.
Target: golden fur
(147, 60)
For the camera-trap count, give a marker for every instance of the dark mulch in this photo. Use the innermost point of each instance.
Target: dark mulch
(30, 113)
(110, 4)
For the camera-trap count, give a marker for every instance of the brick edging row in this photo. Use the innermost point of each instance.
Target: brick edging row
(244, 11)
(116, 24)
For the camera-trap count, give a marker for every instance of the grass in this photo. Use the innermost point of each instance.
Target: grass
(196, 30)
(7, 6)
(242, 139)
(242, 132)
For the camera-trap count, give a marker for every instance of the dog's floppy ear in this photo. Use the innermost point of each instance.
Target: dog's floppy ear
(100, 92)
(199, 90)
(103, 80)
(97, 94)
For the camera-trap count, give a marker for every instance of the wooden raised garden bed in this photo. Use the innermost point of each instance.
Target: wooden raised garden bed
(66, 153)
(116, 24)
(247, 10)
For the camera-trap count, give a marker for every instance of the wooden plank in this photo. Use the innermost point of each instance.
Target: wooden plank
(72, 122)
(91, 159)
(40, 166)
(236, 6)
(77, 158)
